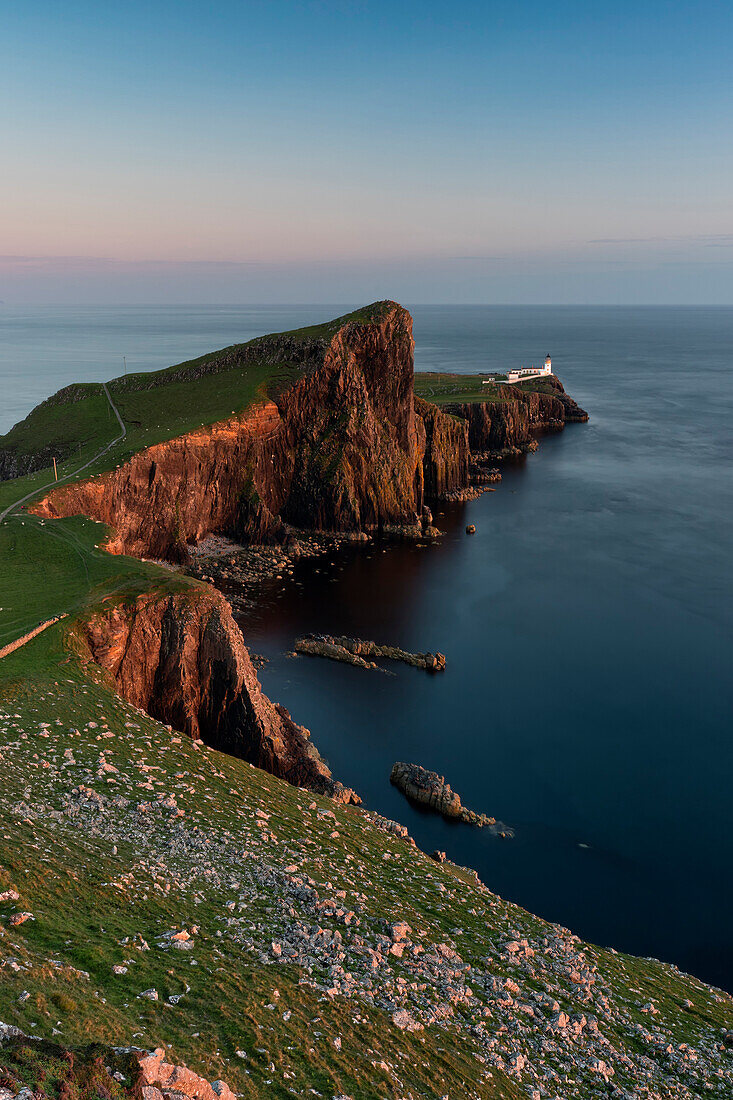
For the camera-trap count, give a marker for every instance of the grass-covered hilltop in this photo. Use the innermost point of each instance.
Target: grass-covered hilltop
(178, 868)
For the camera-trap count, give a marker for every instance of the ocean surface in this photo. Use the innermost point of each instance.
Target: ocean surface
(588, 625)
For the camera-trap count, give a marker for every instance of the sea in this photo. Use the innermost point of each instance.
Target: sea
(587, 625)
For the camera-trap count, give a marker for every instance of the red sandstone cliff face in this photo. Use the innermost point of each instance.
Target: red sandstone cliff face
(177, 492)
(342, 449)
(513, 423)
(347, 447)
(182, 658)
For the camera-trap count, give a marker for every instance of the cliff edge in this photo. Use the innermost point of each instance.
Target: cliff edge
(182, 659)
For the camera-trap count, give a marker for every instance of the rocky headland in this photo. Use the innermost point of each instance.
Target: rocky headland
(347, 446)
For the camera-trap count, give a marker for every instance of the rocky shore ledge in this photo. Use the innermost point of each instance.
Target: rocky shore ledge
(355, 651)
(431, 789)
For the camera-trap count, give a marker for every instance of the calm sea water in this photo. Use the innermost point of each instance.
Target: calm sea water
(588, 624)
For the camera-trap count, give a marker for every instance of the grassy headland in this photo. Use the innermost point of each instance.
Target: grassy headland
(444, 388)
(160, 405)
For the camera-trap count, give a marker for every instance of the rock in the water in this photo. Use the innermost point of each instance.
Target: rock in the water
(431, 790)
(356, 651)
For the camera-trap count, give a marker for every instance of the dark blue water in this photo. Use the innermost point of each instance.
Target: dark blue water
(588, 624)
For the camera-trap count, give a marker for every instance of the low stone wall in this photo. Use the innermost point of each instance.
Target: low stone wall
(12, 646)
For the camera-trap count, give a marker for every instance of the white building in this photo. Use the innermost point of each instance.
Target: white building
(524, 373)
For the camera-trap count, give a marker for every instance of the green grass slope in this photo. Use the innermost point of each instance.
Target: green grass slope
(50, 568)
(115, 832)
(96, 904)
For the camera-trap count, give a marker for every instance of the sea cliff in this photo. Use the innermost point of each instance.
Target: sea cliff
(340, 449)
(182, 659)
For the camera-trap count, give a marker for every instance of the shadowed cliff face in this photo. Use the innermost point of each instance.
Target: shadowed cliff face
(356, 443)
(446, 458)
(182, 659)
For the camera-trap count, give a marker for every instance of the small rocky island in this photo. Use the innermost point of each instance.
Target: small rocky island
(431, 789)
(355, 651)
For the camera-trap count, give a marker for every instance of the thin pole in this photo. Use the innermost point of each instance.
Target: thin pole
(55, 472)
(124, 360)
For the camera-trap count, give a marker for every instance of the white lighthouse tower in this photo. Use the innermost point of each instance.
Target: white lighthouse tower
(548, 365)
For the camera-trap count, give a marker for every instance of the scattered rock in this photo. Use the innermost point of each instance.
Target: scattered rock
(20, 918)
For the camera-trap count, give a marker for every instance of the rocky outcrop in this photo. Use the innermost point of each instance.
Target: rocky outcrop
(97, 1070)
(511, 424)
(361, 653)
(431, 790)
(182, 658)
(162, 1080)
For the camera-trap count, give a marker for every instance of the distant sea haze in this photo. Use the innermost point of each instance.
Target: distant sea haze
(587, 625)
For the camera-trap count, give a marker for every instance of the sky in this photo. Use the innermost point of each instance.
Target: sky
(562, 152)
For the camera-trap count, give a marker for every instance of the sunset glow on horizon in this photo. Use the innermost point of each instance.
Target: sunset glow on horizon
(269, 151)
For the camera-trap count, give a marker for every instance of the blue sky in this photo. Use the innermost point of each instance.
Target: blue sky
(322, 151)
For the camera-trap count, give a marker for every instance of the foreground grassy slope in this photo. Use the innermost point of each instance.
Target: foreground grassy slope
(159, 405)
(115, 832)
(96, 904)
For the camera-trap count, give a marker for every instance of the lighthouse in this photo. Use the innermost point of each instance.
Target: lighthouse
(548, 365)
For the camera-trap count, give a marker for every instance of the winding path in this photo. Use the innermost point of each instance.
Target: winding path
(100, 454)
